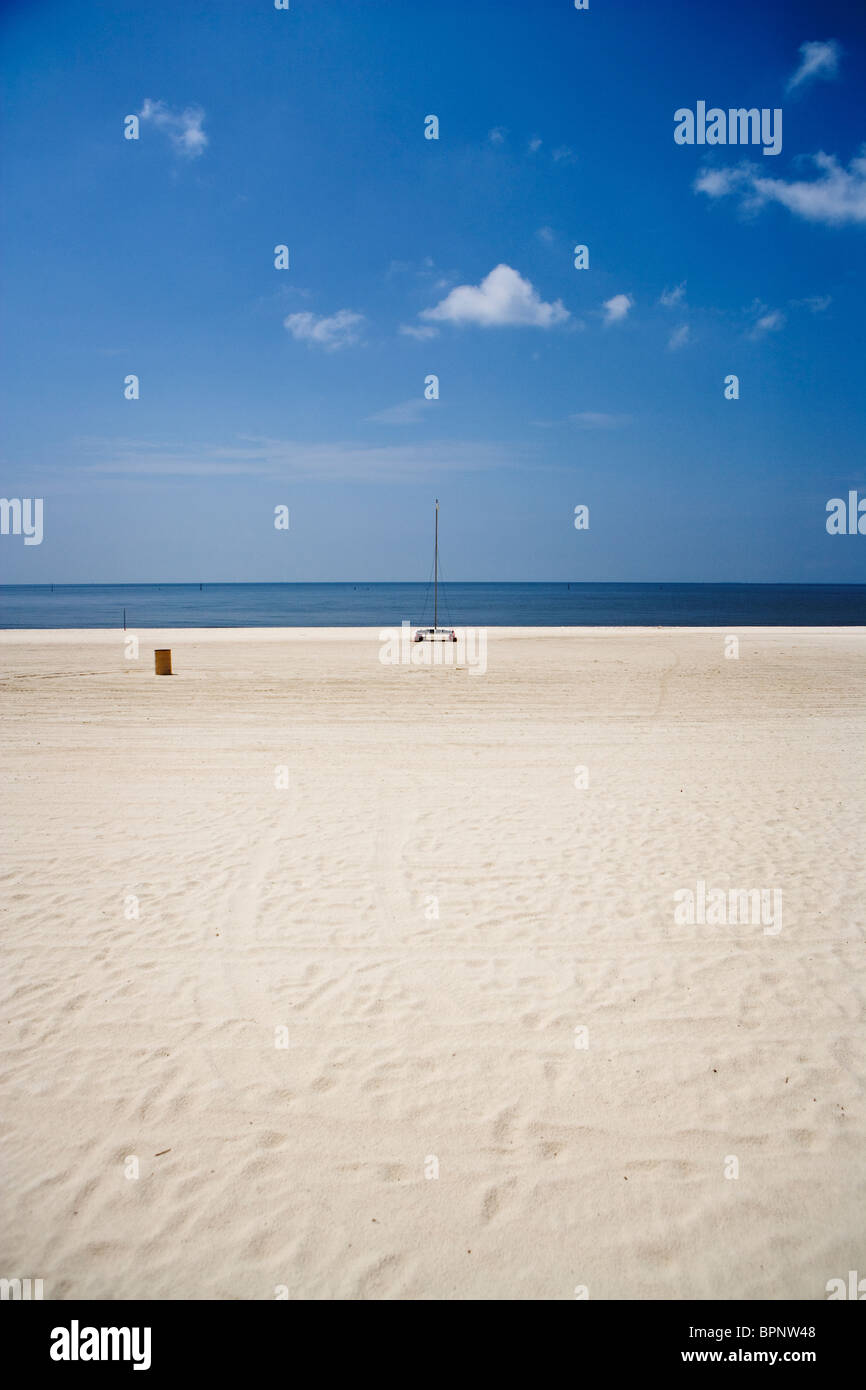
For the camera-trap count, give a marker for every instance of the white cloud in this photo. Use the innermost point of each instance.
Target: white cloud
(679, 337)
(616, 309)
(497, 135)
(502, 299)
(406, 413)
(337, 331)
(534, 144)
(717, 183)
(836, 197)
(183, 128)
(422, 269)
(545, 234)
(817, 302)
(258, 456)
(421, 331)
(816, 60)
(766, 321)
(675, 296)
(563, 155)
(598, 420)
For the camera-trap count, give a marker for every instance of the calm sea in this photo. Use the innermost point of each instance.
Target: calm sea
(386, 605)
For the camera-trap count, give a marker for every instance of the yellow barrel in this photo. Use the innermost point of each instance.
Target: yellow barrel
(162, 661)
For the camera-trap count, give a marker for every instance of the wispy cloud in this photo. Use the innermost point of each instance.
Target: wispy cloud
(616, 309)
(670, 298)
(503, 299)
(598, 420)
(257, 456)
(183, 128)
(421, 270)
(497, 135)
(545, 234)
(836, 197)
(535, 144)
(337, 331)
(422, 331)
(765, 320)
(816, 60)
(718, 183)
(679, 337)
(816, 303)
(406, 413)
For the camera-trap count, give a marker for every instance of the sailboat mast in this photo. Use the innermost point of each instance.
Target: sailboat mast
(436, 571)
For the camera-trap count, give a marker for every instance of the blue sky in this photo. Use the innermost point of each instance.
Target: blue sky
(305, 386)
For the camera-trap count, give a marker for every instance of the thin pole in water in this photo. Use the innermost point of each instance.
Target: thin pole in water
(436, 572)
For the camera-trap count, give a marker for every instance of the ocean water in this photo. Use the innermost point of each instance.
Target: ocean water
(387, 605)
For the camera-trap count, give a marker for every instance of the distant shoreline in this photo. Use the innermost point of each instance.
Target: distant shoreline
(38, 635)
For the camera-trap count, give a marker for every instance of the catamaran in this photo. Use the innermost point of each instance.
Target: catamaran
(436, 633)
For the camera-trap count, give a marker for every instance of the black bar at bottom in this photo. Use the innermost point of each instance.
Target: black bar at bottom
(162, 1339)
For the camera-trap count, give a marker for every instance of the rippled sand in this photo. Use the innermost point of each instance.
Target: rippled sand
(392, 871)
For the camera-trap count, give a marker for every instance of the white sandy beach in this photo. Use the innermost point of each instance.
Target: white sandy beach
(302, 1169)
